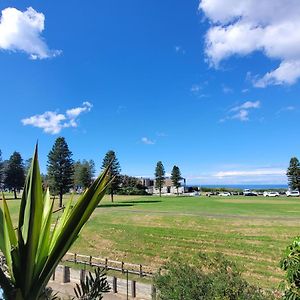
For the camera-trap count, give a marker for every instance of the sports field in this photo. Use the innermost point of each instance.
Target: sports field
(253, 231)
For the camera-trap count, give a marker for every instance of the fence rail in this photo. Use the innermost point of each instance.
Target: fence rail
(108, 264)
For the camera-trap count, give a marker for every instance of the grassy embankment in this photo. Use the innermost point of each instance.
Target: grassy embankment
(148, 230)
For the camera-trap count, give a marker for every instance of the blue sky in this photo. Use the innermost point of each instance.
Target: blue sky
(213, 89)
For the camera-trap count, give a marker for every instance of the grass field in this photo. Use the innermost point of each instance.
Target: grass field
(252, 231)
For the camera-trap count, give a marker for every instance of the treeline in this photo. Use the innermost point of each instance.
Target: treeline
(65, 174)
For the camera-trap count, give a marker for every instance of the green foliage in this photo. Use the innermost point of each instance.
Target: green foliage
(1, 171)
(93, 286)
(60, 168)
(115, 169)
(14, 175)
(293, 174)
(290, 263)
(176, 177)
(83, 173)
(159, 176)
(130, 185)
(34, 249)
(205, 278)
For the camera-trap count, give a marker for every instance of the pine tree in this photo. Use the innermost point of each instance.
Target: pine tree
(60, 168)
(159, 176)
(176, 177)
(87, 173)
(293, 174)
(14, 175)
(115, 170)
(1, 171)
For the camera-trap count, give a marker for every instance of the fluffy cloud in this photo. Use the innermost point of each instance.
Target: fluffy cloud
(241, 112)
(259, 172)
(21, 31)
(147, 141)
(53, 122)
(242, 27)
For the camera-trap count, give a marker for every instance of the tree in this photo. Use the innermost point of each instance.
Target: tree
(115, 170)
(27, 165)
(176, 177)
(87, 173)
(293, 174)
(1, 171)
(14, 175)
(33, 247)
(159, 176)
(60, 168)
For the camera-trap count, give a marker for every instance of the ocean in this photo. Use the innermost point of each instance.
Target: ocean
(245, 186)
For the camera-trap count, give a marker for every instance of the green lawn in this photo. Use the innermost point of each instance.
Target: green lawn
(253, 231)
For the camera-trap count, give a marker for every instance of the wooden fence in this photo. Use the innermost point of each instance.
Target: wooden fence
(108, 264)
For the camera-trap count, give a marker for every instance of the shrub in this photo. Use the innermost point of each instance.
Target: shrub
(290, 263)
(205, 277)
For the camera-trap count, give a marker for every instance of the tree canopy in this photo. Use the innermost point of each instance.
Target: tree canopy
(60, 168)
(176, 177)
(14, 175)
(159, 176)
(115, 170)
(293, 174)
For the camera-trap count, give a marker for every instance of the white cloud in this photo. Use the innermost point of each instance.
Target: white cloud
(241, 112)
(196, 88)
(242, 27)
(259, 175)
(147, 141)
(247, 105)
(179, 50)
(253, 173)
(227, 90)
(53, 122)
(21, 31)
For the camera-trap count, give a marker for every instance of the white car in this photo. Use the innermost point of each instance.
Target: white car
(293, 193)
(271, 194)
(225, 194)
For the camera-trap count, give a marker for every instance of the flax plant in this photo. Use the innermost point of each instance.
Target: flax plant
(34, 248)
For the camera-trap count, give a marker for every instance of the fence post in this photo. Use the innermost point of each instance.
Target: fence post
(66, 274)
(153, 292)
(133, 288)
(82, 275)
(115, 289)
(75, 258)
(141, 271)
(106, 264)
(91, 260)
(122, 267)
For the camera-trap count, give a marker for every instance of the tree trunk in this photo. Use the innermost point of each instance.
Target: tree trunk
(15, 193)
(177, 192)
(112, 196)
(60, 198)
(160, 192)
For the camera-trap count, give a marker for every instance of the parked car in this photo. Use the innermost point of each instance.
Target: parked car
(224, 194)
(271, 194)
(248, 192)
(293, 193)
(195, 193)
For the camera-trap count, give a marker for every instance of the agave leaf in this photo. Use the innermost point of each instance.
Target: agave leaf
(31, 212)
(77, 218)
(10, 227)
(44, 241)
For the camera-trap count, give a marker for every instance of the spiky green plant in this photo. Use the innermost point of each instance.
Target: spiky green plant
(33, 249)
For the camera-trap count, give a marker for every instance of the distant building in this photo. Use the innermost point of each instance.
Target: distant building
(168, 187)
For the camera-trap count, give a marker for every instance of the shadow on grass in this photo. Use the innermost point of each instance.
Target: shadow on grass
(141, 201)
(114, 205)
